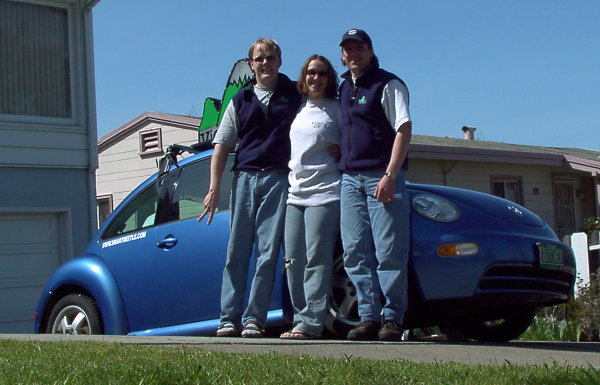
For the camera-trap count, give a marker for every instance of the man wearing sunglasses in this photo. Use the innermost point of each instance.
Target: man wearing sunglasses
(258, 121)
(376, 132)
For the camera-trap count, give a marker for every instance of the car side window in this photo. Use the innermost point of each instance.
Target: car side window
(177, 195)
(192, 187)
(139, 213)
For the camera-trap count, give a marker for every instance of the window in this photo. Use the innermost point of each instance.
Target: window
(563, 194)
(192, 186)
(178, 195)
(508, 187)
(35, 72)
(104, 206)
(191, 189)
(151, 142)
(139, 213)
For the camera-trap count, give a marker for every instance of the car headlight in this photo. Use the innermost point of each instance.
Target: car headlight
(435, 208)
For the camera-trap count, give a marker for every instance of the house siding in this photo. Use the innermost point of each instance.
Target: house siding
(477, 176)
(122, 168)
(47, 169)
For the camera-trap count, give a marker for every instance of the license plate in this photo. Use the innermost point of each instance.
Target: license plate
(551, 256)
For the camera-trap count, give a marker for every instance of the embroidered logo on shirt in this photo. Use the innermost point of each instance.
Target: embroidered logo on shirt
(321, 125)
(283, 99)
(362, 100)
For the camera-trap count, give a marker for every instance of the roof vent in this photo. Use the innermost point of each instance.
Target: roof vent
(469, 132)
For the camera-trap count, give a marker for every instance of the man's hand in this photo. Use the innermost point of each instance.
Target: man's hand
(217, 164)
(211, 202)
(384, 191)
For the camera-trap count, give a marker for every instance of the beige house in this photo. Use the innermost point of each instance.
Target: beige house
(561, 185)
(128, 155)
(48, 147)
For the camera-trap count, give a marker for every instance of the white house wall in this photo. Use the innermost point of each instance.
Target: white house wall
(476, 176)
(121, 168)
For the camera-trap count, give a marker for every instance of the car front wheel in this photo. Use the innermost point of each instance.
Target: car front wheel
(503, 329)
(75, 314)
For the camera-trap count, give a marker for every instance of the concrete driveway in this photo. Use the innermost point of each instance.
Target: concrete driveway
(514, 353)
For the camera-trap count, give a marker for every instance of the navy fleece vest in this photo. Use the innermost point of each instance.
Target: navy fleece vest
(367, 135)
(264, 139)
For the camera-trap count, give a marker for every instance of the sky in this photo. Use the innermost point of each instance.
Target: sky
(520, 71)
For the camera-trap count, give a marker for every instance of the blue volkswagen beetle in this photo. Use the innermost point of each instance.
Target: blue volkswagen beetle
(479, 265)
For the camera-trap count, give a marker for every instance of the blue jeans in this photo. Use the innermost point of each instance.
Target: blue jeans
(310, 237)
(257, 219)
(376, 239)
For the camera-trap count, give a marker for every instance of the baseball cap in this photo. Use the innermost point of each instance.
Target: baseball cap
(358, 35)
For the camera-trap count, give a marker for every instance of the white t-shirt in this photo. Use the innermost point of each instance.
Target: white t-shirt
(314, 177)
(395, 103)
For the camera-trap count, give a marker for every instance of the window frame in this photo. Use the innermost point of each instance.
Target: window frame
(108, 199)
(511, 179)
(75, 56)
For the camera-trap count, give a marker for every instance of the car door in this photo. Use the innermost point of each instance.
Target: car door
(127, 246)
(189, 255)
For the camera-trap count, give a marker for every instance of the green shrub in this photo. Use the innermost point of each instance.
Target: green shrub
(576, 320)
(588, 300)
(591, 224)
(546, 328)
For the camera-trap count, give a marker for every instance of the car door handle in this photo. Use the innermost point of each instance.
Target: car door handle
(167, 243)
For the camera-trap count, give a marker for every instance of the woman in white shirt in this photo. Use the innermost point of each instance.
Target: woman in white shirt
(313, 208)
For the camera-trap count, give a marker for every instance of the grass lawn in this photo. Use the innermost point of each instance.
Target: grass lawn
(114, 363)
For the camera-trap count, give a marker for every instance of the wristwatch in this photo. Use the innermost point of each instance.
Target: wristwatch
(390, 174)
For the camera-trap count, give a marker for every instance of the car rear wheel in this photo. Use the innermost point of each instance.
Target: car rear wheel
(503, 329)
(342, 314)
(75, 314)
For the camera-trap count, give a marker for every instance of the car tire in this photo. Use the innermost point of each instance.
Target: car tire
(502, 329)
(342, 304)
(75, 314)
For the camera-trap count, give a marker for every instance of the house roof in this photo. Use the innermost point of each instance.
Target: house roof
(434, 147)
(185, 122)
(421, 147)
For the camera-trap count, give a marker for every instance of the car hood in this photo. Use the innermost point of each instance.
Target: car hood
(493, 205)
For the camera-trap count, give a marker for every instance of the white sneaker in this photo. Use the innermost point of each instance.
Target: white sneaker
(227, 329)
(252, 330)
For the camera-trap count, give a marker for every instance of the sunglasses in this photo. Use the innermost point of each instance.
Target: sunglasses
(313, 73)
(262, 59)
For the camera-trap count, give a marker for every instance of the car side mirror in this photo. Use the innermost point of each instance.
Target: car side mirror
(164, 164)
(170, 157)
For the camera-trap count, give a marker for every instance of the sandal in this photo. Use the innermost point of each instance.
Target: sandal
(297, 334)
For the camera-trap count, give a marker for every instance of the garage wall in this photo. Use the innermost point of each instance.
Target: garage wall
(30, 250)
(44, 221)
(47, 160)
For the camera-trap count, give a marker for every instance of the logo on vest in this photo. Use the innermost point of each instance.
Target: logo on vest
(362, 100)
(283, 99)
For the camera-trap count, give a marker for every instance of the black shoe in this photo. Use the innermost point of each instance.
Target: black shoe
(391, 331)
(365, 331)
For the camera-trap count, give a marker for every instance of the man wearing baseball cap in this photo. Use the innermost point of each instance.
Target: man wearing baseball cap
(376, 132)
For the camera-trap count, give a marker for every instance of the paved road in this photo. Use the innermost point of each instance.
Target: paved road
(515, 353)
